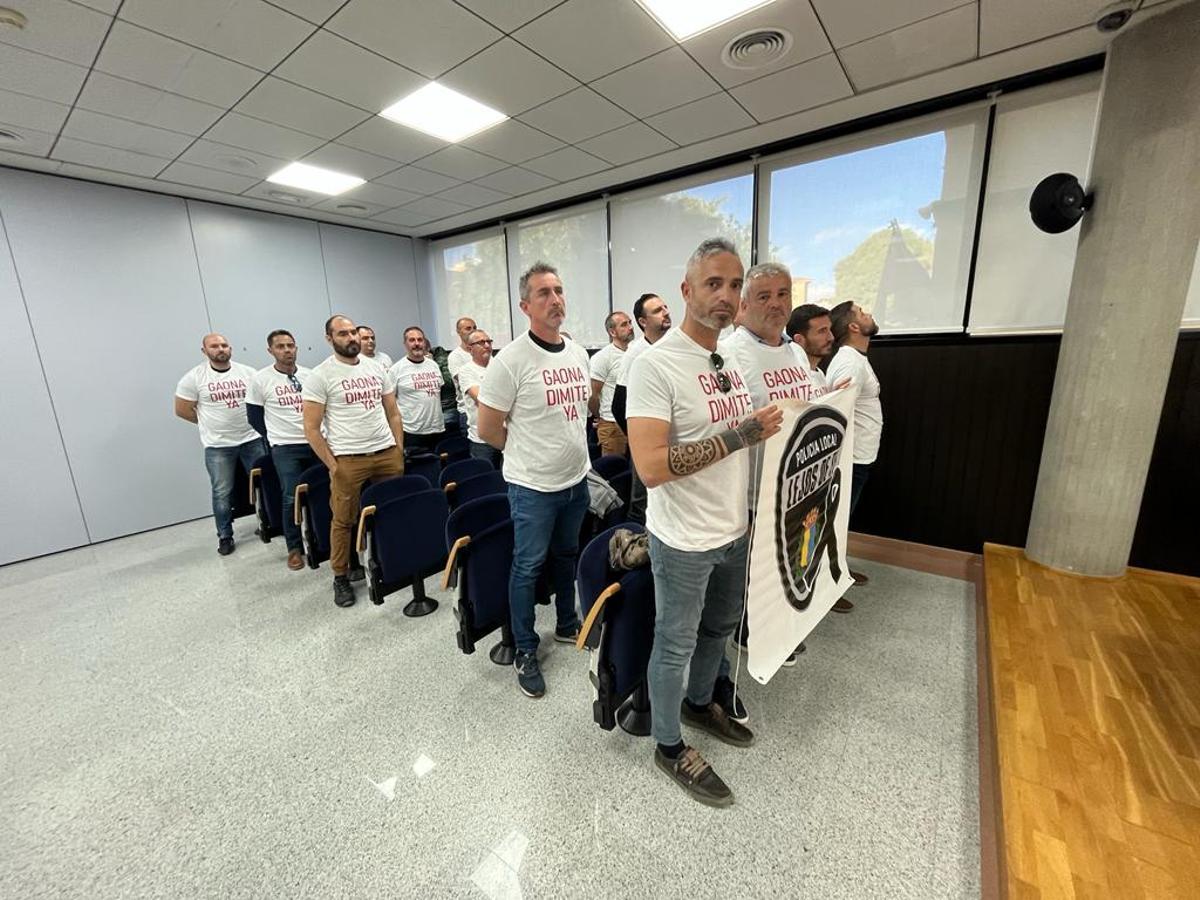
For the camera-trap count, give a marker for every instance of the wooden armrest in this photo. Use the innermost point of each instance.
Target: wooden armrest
(444, 457)
(362, 527)
(298, 510)
(255, 473)
(450, 486)
(448, 572)
(594, 614)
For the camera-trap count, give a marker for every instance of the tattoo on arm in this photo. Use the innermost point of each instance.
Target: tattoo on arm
(684, 459)
(748, 433)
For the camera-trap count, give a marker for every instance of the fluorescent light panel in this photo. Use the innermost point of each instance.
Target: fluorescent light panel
(688, 18)
(316, 179)
(444, 113)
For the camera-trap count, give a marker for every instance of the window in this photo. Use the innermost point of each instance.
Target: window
(575, 243)
(654, 233)
(471, 279)
(885, 219)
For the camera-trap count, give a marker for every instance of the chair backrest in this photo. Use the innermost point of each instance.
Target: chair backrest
(475, 516)
(426, 465)
(393, 488)
(271, 493)
(609, 465)
(484, 484)
(407, 535)
(622, 483)
(316, 503)
(594, 451)
(487, 576)
(455, 448)
(463, 469)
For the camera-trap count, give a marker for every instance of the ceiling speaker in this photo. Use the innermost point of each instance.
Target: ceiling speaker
(1058, 202)
(757, 48)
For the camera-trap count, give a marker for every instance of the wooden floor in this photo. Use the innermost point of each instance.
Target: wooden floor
(1096, 700)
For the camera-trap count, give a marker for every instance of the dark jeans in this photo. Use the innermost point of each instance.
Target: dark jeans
(544, 521)
(425, 441)
(221, 463)
(290, 462)
(858, 481)
(486, 451)
(637, 498)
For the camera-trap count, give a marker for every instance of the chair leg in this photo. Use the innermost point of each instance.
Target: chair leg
(420, 604)
(634, 714)
(504, 652)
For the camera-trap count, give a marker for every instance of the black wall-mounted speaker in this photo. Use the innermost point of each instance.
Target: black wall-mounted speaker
(1058, 202)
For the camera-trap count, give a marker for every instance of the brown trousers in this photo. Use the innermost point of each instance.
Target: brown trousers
(611, 437)
(351, 473)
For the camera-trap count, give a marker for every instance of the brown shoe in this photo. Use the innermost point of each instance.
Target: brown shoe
(295, 560)
(716, 722)
(859, 577)
(843, 605)
(691, 772)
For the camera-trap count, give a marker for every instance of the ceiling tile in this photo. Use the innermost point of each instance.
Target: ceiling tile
(565, 164)
(140, 55)
(928, 45)
(809, 84)
(515, 180)
(472, 195)
(590, 39)
(701, 119)
(342, 206)
(32, 141)
(238, 130)
(129, 100)
(509, 77)
(434, 208)
(235, 160)
(513, 142)
(341, 158)
(577, 116)
(661, 82)
(796, 18)
(69, 150)
(104, 6)
(635, 141)
(1009, 23)
(198, 176)
(428, 36)
(284, 103)
(417, 180)
(405, 217)
(461, 163)
(315, 11)
(333, 66)
(100, 129)
(39, 76)
(32, 112)
(850, 21)
(380, 195)
(281, 194)
(508, 15)
(60, 29)
(248, 31)
(385, 138)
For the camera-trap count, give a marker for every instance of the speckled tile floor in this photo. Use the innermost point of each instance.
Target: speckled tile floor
(176, 724)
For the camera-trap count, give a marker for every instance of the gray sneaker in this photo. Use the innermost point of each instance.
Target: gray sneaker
(716, 722)
(691, 772)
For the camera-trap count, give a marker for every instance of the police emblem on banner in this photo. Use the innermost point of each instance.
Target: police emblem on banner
(808, 490)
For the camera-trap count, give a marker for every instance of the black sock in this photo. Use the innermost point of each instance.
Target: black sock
(694, 707)
(672, 752)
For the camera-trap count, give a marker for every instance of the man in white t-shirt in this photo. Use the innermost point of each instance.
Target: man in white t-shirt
(366, 341)
(459, 357)
(606, 365)
(689, 415)
(213, 396)
(533, 406)
(419, 392)
(274, 408)
(355, 399)
(470, 376)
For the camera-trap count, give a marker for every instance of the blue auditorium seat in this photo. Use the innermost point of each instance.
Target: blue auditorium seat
(404, 534)
(267, 498)
(452, 449)
(426, 465)
(609, 465)
(462, 469)
(479, 537)
(481, 485)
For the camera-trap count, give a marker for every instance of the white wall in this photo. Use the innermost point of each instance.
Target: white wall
(119, 286)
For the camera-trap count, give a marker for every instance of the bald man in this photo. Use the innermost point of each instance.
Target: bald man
(213, 396)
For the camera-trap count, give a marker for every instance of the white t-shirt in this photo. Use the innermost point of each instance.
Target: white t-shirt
(470, 376)
(419, 395)
(280, 400)
(220, 403)
(815, 375)
(632, 352)
(868, 411)
(606, 365)
(382, 358)
(455, 360)
(353, 397)
(675, 381)
(545, 395)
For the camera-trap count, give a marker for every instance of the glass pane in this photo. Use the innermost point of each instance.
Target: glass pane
(472, 279)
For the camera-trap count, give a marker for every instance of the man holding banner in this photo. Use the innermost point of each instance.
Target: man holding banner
(689, 413)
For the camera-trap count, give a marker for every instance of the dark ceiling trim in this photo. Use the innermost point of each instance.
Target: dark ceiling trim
(943, 103)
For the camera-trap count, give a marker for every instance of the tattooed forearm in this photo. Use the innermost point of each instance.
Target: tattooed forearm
(684, 459)
(748, 433)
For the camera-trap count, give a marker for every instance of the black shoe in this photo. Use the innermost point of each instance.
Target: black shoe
(343, 593)
(358, 573)
(225, 546)
(567, 635)
(792, 659)
(691, 772)
(724, 696)
(529, 674)
(714, 720)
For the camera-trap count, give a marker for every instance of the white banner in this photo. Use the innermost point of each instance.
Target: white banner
(798, 566)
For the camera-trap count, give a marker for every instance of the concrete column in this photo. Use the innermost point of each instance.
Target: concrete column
(1132, 269)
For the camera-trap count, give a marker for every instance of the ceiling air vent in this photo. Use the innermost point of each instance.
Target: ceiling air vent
(757, 48)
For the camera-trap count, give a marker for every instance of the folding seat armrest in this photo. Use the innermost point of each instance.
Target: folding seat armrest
(450, 574)
(361, 543)
(255, 474)
(301, 490)
(449, 488)
(589, 633)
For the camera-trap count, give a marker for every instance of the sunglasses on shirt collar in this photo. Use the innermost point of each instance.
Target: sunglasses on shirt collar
(294, 382)
(723, 380)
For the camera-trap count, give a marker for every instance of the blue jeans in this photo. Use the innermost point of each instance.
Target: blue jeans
(221, 463)
(290, 462)
(544, 522)
(486, 451)
(698, 597)
(858, 481)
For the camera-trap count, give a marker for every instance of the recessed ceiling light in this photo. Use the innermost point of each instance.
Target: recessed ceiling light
(10, 137)
(12, 18)
(314, 178)
(446, 114)
(687, 18)
(352, 207)
(286, 197)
